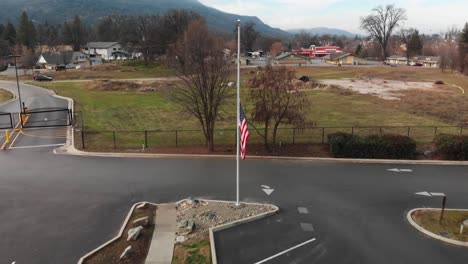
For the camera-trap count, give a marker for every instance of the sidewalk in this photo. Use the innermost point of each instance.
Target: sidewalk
(162, 243)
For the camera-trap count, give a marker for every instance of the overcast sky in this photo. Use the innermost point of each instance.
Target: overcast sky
(429, 16)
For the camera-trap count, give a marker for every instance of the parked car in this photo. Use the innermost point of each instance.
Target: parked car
(42, 78)
(60, 67)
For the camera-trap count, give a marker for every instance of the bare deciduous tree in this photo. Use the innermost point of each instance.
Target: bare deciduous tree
(199, 62)
(382, 22)
(276, 101)
(276, 49)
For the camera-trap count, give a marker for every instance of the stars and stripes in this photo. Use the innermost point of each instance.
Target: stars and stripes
(244, 133)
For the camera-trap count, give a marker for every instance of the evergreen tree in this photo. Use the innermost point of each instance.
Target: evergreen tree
(463, 49)
(74, 33)
(414, 44)
(26, 31)
(9, 34)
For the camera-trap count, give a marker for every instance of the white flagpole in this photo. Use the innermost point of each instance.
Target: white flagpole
(238, 110)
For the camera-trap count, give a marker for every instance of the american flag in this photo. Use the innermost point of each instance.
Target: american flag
(244, 133)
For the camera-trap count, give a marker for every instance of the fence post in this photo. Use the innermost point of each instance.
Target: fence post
(176, 139)
(146, 139)
(323, 135)
(352, 130)
(435, 131)
(380, 130)
(82, 139)
(409, 129)
(113, 136)
(294, 136)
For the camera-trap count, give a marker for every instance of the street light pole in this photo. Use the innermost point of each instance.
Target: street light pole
(17, 84)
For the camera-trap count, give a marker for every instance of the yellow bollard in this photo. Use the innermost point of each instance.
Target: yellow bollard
(7, 136)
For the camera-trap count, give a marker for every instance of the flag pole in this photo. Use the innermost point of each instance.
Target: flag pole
(238, 111)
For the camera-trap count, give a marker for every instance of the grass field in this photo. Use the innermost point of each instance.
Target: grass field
(5, 95)
(429, 220)
(130, 111)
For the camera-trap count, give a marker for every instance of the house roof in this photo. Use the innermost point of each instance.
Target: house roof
(396, 57)
(61, 57)
(337, 55)
(57, 58)
(287, 54)
(101, 45)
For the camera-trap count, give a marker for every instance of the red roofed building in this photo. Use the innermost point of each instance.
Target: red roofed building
(317, 52)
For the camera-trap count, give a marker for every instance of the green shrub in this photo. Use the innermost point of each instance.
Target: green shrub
(453, 147)
(344, 145)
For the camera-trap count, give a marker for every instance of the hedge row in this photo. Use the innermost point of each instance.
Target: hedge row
(344, 145)
(454, 147)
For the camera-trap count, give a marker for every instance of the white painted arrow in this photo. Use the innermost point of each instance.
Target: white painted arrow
(400, 170)
(406, 170)
(424, 194)
(267, 189)
(394, 170)
(430, 194)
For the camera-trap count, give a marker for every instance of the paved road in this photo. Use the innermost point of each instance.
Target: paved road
(56, 208)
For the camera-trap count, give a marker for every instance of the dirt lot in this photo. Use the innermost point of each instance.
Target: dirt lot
(385, 89)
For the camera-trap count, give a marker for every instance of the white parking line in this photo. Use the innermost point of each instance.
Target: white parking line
(38, 146)
(286, 251)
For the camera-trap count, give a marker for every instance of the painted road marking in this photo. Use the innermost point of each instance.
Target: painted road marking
(286, 251)
(307, 227)
(267, 189)
(302, 210)
(39, 146)
(430, 194)
(400, 170)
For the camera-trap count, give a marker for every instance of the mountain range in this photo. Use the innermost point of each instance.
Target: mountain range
(90, 11)
(324, 31)
(57, 11)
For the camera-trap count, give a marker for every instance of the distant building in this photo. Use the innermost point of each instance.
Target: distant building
(292, 59)
(50, 60)
(317, 52)
(423, 61)
(107, 50)
(344, 59)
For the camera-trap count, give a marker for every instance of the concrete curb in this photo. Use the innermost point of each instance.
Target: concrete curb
(71, 150)
(430, 234)
(212, 230)
(89, 254)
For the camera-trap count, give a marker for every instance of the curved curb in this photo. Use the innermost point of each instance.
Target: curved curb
(212, 230)
(430, 234)
(119, 235)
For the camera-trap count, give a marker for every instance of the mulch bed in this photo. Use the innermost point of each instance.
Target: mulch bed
(111, 253)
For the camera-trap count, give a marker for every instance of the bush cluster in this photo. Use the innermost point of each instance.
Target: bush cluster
(387, 146)
(454, 147)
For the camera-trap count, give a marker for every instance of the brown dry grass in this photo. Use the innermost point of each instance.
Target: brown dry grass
(429, 220)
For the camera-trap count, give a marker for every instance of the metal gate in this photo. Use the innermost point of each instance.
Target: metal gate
(47, 118)
(6, 121)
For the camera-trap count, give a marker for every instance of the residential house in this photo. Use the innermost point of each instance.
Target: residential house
(397, 60)
(342, 58)
(107, 50)
(50, 60)
(288, 58)
(424, 61)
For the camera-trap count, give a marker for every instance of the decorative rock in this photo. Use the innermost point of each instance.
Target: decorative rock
(190, 226)
(143, 221)
(191, 201)
(134, 233)
(181, 239)
(142, 206)
(126, 253)
(183, 224)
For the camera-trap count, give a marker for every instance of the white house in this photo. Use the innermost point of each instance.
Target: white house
(107, 50)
